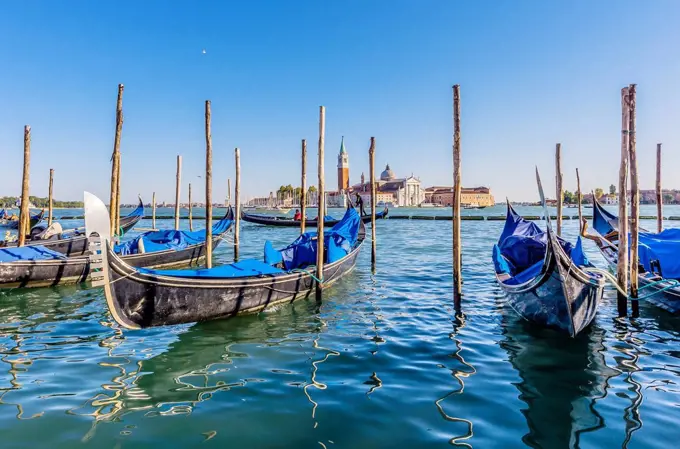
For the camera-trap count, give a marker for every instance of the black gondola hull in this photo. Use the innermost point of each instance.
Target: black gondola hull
(288, 222)
(139, 300)
(559, 299)
(44, 273)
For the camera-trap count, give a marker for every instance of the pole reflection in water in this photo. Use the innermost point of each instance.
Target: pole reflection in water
(375, 316)
(459, 375)
(562, 379)
(626, 366)
(314, 370)
(195, 367)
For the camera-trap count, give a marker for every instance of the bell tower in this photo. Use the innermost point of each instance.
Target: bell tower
(343, 167)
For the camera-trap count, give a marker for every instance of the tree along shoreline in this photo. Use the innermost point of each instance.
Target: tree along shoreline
(11, 201)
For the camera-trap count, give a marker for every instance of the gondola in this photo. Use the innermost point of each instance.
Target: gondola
(140, 298)
(659, 258)
(34, 220)
(73, 242)
(38, 266)
(270, 220)
(545, 278)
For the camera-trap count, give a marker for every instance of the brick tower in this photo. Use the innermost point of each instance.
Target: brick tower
(343, 167)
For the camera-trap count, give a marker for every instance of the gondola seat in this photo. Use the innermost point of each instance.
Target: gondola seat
(242, 268)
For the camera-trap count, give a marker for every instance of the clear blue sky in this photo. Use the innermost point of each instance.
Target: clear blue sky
(532, 73)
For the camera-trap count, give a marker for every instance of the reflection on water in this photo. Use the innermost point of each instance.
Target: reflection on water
(383, 361)
(561, 381)
(459, 376)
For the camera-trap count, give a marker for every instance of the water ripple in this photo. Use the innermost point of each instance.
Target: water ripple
(383, 361)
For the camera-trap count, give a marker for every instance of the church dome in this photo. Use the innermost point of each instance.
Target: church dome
(388, 174)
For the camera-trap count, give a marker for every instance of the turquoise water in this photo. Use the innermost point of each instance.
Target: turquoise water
(382, 362)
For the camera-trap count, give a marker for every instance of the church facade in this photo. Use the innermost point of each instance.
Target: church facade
(392, 191)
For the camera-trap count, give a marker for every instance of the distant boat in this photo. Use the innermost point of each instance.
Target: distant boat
(271, 220)
(473, 206)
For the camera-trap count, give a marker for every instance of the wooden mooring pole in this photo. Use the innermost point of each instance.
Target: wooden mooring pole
(178, 182)
(115, 165)
(237, 202)
(228, 192)
(579, 199)
(303, 188)
(659, 193)
(208, 188)
(371, 163)
(118, 229)
(191, 218)
(558, 186)
(321, 204)
(51, 198)
(153, 210)
(24, 214)
(634, 205)
(622, 269)
(457, 249)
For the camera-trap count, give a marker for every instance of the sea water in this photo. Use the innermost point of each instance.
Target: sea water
(383, 361)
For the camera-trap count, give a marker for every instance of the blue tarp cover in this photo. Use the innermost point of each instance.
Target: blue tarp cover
(243, 268)
(4, 214)
(520, 251)
(33, 252)
(175, 240)
(663, 247)
(343, 235)
(339, 241)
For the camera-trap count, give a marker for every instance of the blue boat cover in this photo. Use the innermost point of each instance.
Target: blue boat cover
(343, 236)
(32, 252)
(520, 251)
(662, 248)
(4, 214)
(161, 240)
(339, 241)
(244, 268)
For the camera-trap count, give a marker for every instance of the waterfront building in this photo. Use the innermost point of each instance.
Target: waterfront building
(475, 196)
(610, 198)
